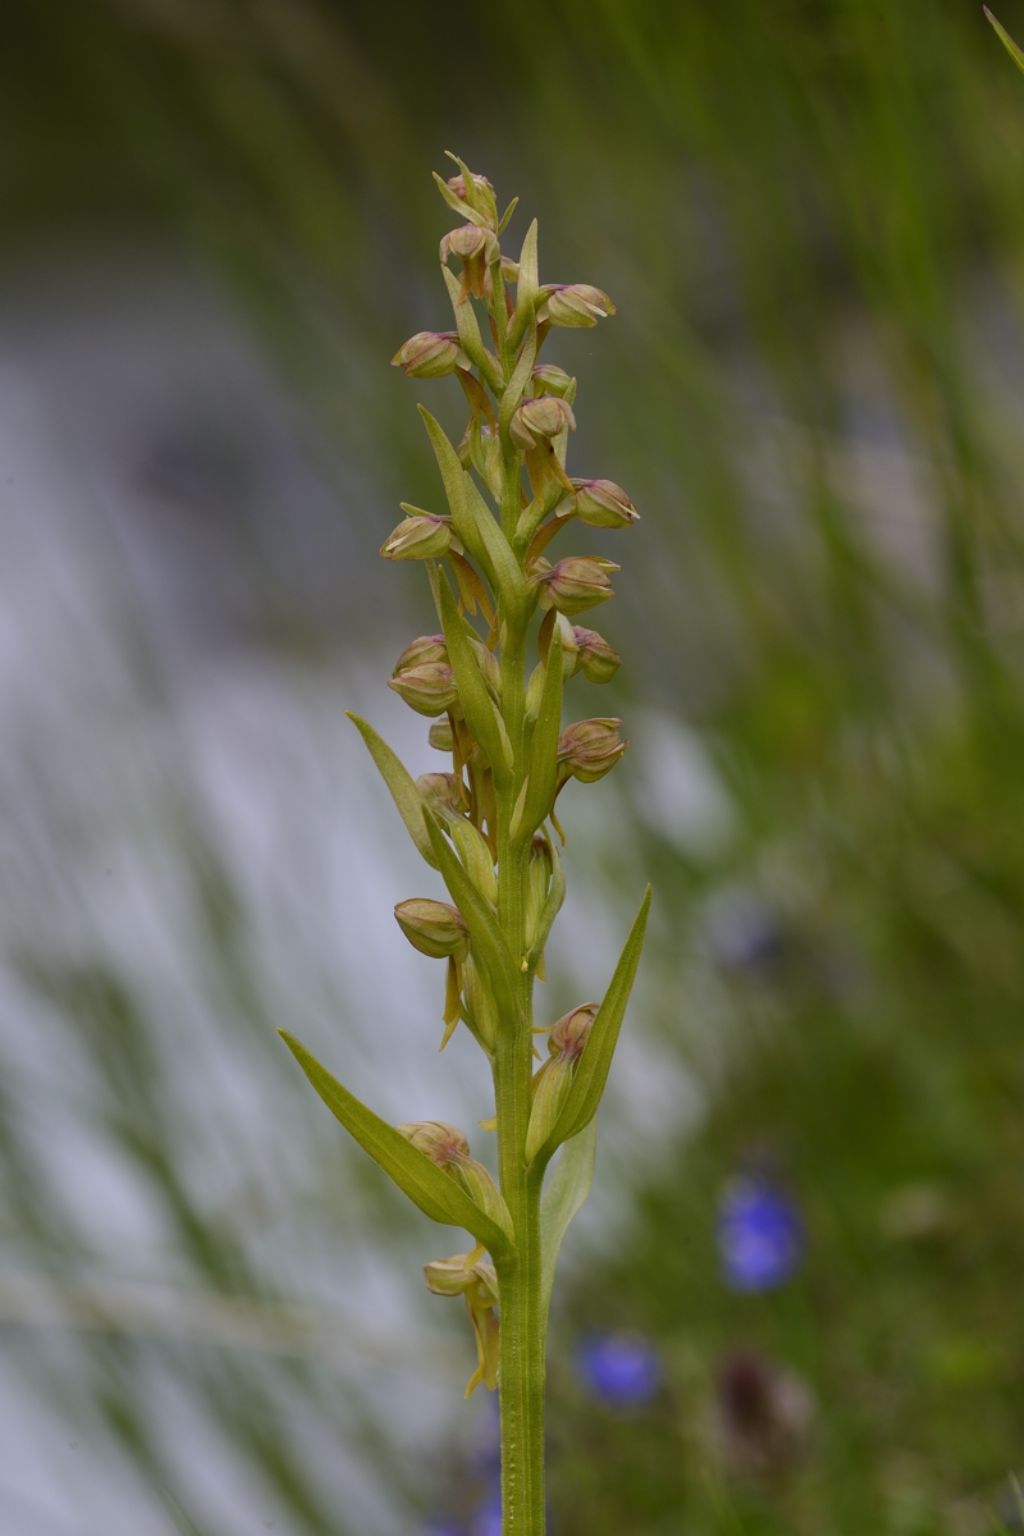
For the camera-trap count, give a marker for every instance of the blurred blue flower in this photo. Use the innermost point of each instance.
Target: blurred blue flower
(487, 1521)
(622, 1369)
(760, 1234)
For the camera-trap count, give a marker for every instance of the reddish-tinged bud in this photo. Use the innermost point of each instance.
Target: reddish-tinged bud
(479, 195)
(423, 537)
(443, 792)
(443, 1144)
(430, 355)
(433, 927)
(595, 658)
(476, 247)
(603, 504)
(536, 420)
(569, 1033)
(576, 583)
(574, 304)
(549, 379)
(589, 749)
(428, 688)
(423, 648)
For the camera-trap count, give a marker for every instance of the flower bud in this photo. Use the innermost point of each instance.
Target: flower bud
(538, 878)
(443, 792)
(440, 736)
(595, 658)
(551, 1084)
(552, 380)
(489, 666)
(473, 1178)
(474, 1277)
(480, 1010)
(423, 648)
(569, 1033)
(479, 195)
(574, 304)
(576, 583)
(428, 688)
(430, 355)
(589, 749)
(433, 927)
(443, 1144)
(423, 537)
(455, 1276)
(535, 420)
(476, 247)
(603, 504)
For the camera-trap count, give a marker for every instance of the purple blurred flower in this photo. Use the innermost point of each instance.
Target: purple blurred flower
(487, 1521)
(760, 1234)
(622, 1369)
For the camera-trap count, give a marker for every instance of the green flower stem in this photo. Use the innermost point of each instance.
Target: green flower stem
(521, 1383)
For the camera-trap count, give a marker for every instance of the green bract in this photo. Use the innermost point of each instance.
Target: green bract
(492, 681)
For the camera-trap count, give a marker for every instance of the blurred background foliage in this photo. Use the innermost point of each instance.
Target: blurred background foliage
(219, 225)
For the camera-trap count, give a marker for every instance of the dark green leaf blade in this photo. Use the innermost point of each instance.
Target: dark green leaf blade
(485, 936)
(425, 1184)
(471, 518)
(481, 713)
(542, 767)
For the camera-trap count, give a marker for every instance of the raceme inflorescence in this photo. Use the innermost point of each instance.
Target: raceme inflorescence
(491, 682)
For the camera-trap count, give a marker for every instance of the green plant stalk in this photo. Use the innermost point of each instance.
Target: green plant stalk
(481, 826)
(521, 1383)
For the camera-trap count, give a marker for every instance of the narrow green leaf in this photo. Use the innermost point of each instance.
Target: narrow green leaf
(482, 716)
(564, 1194)
(401, 785)
(517, 383)
(528, 285)
(1016, 54)
(542, 764)
(553, 904)
(423, 1181)
(485, 936)
(472, 519)
(588, 1084)
(469, 333)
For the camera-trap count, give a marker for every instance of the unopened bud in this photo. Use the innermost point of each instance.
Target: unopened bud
(455, 1276)
(423, 648)
(535, 420)
(551, 1084)
(474, 1179)
(433, 927)
(595, 658)
(440, 736)
(589, 749)
(479, 194)
(552, 380)
(538, 878)
(576, 583)
(423, 537)
(569, 1033)
(443, 1144)
(574, 304)
(489, 666)
(443, 792)
(603, 504)
(429, 688)
(430, 355)
(477, 248)
(480, 1009)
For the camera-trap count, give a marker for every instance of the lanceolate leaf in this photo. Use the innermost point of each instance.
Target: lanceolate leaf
(591, 1076)
(482, 717)
(471, 519)
(564, 1194)
(485, 936)
(517, 383)
(401, 785)
(542, 767)
(423, 1181)
(469, 333)
(528, 285)
(1007, 41)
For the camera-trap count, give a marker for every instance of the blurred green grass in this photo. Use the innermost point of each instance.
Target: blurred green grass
(812, 219)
